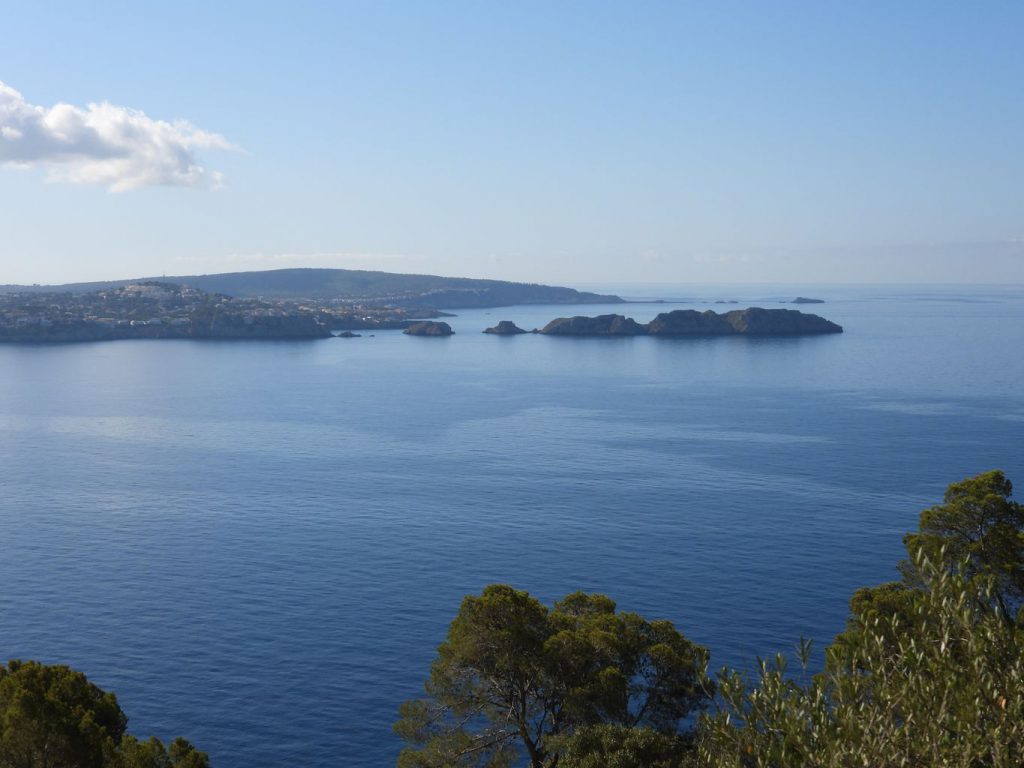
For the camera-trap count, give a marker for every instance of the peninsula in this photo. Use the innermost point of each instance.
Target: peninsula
(355, 287)
(279, 303)
(152, 310)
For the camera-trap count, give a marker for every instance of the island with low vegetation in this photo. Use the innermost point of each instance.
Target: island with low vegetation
(805, 300)
(429, 328)
(753, 321)
(602, 325)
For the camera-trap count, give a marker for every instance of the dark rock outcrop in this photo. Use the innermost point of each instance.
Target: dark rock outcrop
(349, 335)
(429, 328)
(602, 325)
(805, 300)
(505, 328)
(779, 322)
(690, 322)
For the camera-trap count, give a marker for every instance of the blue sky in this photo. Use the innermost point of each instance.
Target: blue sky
(557, 142)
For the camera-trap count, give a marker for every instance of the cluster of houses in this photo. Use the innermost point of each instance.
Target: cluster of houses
(146, 309)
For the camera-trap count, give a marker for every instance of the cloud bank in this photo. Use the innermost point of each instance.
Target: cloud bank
(103, 144)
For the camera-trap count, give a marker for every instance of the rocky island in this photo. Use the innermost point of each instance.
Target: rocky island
(690, 322)
(152, 310)
(753, 321)
(805, 300)
(429, 328)
(602, 325)
(779, 322)
(505, 328)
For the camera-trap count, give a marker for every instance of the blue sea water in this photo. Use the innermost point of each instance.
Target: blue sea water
(259, 545)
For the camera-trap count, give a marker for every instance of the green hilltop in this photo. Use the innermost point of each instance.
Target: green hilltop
(358, 286)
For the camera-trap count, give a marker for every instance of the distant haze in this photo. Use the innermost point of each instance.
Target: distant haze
(564, 143)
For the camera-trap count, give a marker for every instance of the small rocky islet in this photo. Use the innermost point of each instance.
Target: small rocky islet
(505, 328)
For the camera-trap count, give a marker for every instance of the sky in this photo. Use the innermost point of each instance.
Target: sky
(566, 142)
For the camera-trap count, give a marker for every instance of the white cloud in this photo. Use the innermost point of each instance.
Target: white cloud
(103, 144)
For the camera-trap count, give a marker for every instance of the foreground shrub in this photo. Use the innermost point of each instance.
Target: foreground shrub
(929, 672)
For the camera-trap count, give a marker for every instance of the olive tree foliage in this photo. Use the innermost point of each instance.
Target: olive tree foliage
(944, 687)
(51, 716)
(514, 681)
(977, 532)
(930, 672)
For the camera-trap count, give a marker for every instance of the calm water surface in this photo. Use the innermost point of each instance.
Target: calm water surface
(259, 545)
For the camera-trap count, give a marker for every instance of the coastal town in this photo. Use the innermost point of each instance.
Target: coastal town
(158, 310)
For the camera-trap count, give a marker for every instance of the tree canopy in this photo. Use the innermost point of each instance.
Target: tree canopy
(513, 680)
(977, 532)
(51, 716)
(929, 672)
(980, 531)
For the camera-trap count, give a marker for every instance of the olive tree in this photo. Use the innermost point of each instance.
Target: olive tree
(942, 687)
(929, 671)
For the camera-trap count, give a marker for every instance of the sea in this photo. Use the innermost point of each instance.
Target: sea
(259, 545)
